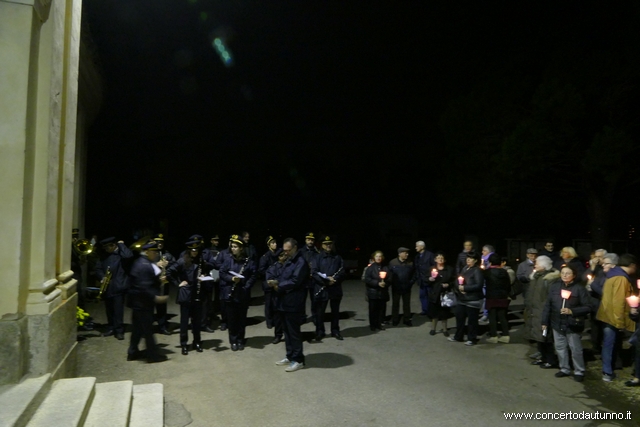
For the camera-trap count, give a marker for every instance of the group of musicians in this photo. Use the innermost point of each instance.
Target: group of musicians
(208, 279)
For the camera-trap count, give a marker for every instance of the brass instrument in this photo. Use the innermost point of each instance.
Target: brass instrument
(163, 274)
(104, 283)
(82, 247)
(135, 246)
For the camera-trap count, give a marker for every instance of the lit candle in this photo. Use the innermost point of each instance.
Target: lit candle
(566, 294)
(633, 301)
(383, 274)
(638, 283)
(434, 273)
(460, 280)
(589, 277)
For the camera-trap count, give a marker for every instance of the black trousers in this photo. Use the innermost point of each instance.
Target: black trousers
(462, 313)
(321, 306)
(142, 327)
(376, 312)
(161, 310)
(190, 311)
(236, 320)
(498, 314)
(406, 307)
(205, 299)
(292, 323)
(547, 352)
(115, 313)
(223, 312)
(271, 315)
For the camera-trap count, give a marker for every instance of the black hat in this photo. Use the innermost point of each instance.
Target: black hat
(236, 239)
(159, 237)
(193, 244)
(151, 246)
(278, 251)
(310, 235)
(108, 240)
(269, 239)
(75, 232)
(216, 237)
(402, 249)
(327, 239)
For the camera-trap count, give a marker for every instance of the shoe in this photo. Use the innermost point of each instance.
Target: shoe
(164, 331)
(432, 332)
(109, 333)
(470, 343)
(294, 366)
(120, 336)
(269, 326)
(492, 340)
(234, 347)
(240, 346)
(395, 323)
(452, 339)
(276, 340)
(537, 362)
(208, 329)
(185, 350)
(197, 347)
(445, 333)
(504, 339)
(535, 355)
(337, 336)
(561, 374)
(381, 328)
(632, 383)
(319, 337)
(484, 320)
(578, 378)
(548, 366)
(223, 327)
(158, 359)
(608, 378)
(283, 362)
(409, 323)
(133, 356)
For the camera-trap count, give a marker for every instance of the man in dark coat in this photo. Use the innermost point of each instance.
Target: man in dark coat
(327, 272)
(424, 263)
(272, 275)
(113, 263)
(267, 260)
(402, 274)
(461, 262)
(309, 252)
(144, 282)
(291, 291)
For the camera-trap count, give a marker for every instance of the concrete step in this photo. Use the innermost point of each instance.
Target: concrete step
(147, 408)
(66, 405)
(18, 402)
(111, 405)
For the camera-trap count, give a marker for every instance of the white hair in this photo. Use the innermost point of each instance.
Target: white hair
(544, 262)
(614, 258)
(420, 243)
(604, 252)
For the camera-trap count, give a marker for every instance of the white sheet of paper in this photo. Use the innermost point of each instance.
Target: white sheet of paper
(324, 276)
(156, 270)
(233, 273)
(205, 278)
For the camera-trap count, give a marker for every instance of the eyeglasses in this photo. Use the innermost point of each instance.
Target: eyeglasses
(606, 263)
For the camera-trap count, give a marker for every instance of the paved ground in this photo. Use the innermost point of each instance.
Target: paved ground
(398, 377)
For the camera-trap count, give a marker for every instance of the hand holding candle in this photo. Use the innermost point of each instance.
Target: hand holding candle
(460, 280)
(566, 294)
(383, 274)
(434, 273)
(633, 301)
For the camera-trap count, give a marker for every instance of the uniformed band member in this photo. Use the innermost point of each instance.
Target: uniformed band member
(215, 273)
(238, 275)
(248, 247)
(186, 273)
(291, 290)
(116, 254)
(267, 260)
(161, 309)
(272, 277)
(309, 251)
(327, 272)
(144, 289)
(76, 267)
(217, 264)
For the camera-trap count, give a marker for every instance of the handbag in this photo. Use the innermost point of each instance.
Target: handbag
(516, 289)
(576, 324)
(448, 299)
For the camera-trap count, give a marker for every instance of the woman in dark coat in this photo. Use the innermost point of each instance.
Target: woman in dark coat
(567, 303)
(497, 299)
(470, 296)
(377, 291)
(542, 277)
(441, 281)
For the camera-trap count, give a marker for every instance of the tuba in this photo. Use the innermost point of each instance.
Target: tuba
(82, 247)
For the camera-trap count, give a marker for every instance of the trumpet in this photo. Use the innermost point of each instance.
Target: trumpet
(105, 283)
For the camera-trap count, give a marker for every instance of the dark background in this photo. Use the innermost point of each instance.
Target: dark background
(378, 122)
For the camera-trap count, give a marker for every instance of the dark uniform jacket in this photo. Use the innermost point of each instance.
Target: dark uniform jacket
(266, 261)
(291, 286)
(144, 284)
(372, 280)
(273, 273)
(115, 262)
(402, 276)
(187, 270)
(473, 284)
(331, 265)
(241, 291)
(423, 263)
(578, 302)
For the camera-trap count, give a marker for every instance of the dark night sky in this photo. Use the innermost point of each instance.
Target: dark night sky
(330, 111)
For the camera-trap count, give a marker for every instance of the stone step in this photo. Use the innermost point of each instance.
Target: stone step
(66, 405)
(147, 408)
(111, 405)
(18, 402)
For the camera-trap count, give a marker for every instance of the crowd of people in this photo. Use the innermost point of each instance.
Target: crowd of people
(562, 295)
